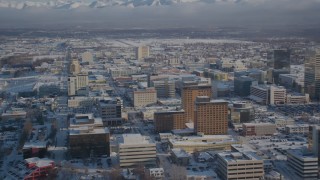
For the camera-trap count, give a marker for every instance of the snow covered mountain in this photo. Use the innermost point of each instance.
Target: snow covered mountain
(73, 4)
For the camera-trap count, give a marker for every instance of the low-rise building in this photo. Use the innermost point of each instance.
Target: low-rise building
(157, 173)
(258, 129)
(297, 129)
(203, 143)
(110, 110)
(144, 97)
(180, 157)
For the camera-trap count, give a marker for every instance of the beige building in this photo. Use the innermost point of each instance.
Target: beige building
(259, 129)
(277, 95)
(75, 67)
(142, 52)
(203, 143)
(134, 149)
(236, 165)
(144, 97)
(211, 117)
(188, 97)
(76, 83)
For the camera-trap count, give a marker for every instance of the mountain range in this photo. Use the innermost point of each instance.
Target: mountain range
(74, 4)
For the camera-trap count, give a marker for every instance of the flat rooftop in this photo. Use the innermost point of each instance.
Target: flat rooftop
(238, 156)
(88, 130)
(132, 139)
(302, 154)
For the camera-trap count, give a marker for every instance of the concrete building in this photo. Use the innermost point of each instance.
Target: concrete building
(180, 157)
(304, 163)
(123, 72)
(211, 117)
(316, 141)
(134, 150)
(259, 94)
(297, 129)
(144, 97)
(168, 121)
(273, 75)
(277, 95)
(157, 173)
(142, 52)
(165, 88)
(77, 82)
(81, 144)
(259, 129)
(236, 165)
(297, 99)
(203, 143)
(312, 75)
(241, 112)
(110, 110)
(75, 67)
(188, 97)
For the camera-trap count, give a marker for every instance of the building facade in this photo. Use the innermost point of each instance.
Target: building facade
(110, 110)
(304, 163)
(165, 88)
(188, 97)
(259, 129)
(167, 121)
(211, 117)
(144, 97)
(236, 165)
(135, 150)
(312, 75)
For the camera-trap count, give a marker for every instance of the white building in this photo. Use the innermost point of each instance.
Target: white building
(156, 172)
(134, 149)
(297, 129)
(277, 95)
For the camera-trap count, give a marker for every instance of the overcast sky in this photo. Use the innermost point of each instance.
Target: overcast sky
(260, 13)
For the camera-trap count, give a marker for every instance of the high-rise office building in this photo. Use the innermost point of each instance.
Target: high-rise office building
(312, 75)
(211, 117)
(76, 83)
(75, 67)
(165, 88)
(142, 52)
(188, 97)
(110, 111)
(281, 59)
(167, 121)
(242, 85)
